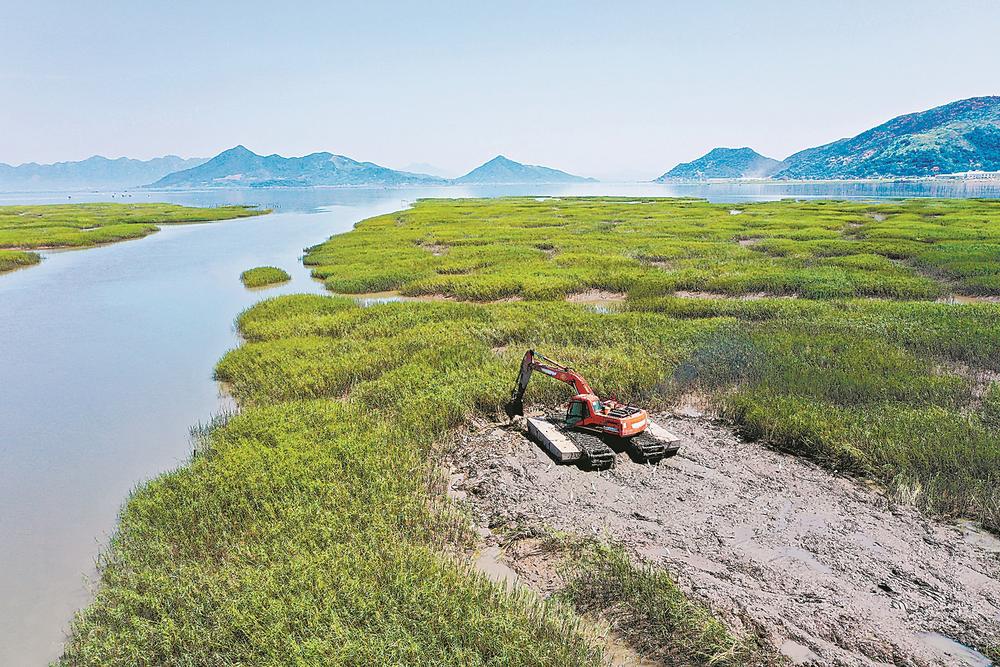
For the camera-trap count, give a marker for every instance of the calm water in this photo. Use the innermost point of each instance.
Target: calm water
(106, 360)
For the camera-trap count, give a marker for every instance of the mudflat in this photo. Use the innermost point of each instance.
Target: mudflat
(830, 569)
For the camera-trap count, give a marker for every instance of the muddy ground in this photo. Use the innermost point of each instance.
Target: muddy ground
(832, 570)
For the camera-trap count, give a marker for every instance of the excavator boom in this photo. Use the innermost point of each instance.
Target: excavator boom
(534, 361)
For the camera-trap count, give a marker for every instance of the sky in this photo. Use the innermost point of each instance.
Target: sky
(604, 89)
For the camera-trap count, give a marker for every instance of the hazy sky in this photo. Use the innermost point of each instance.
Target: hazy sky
(598, 88)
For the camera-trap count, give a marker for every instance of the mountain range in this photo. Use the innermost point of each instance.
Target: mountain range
(954, 138)
(958, 137)
(240, 167)
(96, 172)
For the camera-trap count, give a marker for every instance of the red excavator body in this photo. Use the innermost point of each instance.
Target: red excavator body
(586, 410)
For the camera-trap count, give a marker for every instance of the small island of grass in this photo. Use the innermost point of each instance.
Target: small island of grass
(264, 276)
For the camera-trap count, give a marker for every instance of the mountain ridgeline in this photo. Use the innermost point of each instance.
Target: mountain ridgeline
(96, 172)
(725, 163)
(955, 138)
(240, 167)
(501, 170)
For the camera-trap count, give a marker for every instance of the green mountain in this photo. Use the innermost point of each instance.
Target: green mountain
(956, 137)
(240, 167)
(94, 173)
(500, 170)
(724, 163)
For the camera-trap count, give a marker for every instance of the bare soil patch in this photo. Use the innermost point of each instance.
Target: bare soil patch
(831, 569)
(597, 296)
(436, 249)
(376, 298)
(961, 299)
(750, 296)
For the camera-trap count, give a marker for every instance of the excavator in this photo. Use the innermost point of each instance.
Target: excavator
(593, 428)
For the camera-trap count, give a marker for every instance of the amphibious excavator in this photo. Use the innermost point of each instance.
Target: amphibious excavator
(593, 428)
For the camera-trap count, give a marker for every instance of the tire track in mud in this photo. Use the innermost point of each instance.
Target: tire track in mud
(832, 570)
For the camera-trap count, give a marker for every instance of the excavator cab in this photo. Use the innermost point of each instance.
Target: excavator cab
(584, 409)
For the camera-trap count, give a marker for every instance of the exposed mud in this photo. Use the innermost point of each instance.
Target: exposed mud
(832, 570)
(597, 296)
(749, 296)
(980, 379)
(366, 299)
(963, 299)
(436, 249)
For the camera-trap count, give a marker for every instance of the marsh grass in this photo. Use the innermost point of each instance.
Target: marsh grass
(264, 276)
(491, 249)
(309, 532)
(645, 606)
(87, 225)
(17, 259)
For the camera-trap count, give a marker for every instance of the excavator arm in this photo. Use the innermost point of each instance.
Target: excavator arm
(533, 361)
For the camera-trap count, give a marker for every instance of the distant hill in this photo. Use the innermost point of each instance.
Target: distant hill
(725, 163)
(240, 167)
(501, 170)
(956, 137)
(94, 173)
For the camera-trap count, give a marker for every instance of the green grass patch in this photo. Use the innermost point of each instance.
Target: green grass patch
(17, 259)
(484, 250)
(87, 225)
(263, 276)
(644, 605)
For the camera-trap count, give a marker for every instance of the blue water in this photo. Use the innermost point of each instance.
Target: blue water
(106, 360)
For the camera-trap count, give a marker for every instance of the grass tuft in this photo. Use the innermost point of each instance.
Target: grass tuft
(644, 606)
(264, 276)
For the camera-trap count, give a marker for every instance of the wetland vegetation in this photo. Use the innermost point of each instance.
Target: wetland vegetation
(16, 259)
(313, 528)
(264, 276)
(27, 228)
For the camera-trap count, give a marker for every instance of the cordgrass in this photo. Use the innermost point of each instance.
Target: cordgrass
(493, 249)
(87, 225)
(17, 259)
(309, 528)
(643, 605)
(263, 276)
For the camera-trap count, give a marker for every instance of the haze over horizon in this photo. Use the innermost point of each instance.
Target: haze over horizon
(596, 90)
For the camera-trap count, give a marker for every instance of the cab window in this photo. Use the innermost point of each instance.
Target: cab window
(596, 404)
(577, 411)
